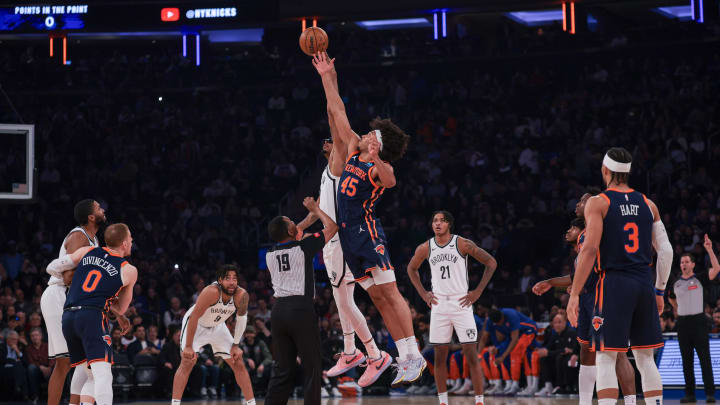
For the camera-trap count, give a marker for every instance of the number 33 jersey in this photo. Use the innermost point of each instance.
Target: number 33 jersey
(97, 279)
(626, 243)
(448, 268)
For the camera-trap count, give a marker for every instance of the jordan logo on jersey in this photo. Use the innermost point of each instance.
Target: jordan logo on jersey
(380, 249)
(597, 322)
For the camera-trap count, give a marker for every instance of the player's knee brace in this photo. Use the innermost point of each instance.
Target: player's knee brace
(88, 389)
(649, 373)
(78, 379)
(606, 376)
(103, 383)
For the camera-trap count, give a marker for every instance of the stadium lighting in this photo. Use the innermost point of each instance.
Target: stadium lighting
(372, 25)
(184, 45)
(197, 50)
(444, 25)
(679, 12)
(435, 28)
(534, 18)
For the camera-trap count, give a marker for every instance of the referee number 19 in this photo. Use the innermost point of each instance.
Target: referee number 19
(283, 262)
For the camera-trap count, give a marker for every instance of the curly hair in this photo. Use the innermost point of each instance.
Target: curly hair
(395, 141)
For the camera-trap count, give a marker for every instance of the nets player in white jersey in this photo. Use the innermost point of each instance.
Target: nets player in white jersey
(450, 301)
(204, 323)
(89, 217)
(351, 319)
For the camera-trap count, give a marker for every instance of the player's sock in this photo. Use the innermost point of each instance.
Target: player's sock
(175, 402)
(443, 397)
(654, 400)
(87, 403)
(607, 401)
(412, 346)
(586, 383)
(372, 349)
(479, 399)
(402, 349)
(349, 339)
(629, 399)
(250, 402)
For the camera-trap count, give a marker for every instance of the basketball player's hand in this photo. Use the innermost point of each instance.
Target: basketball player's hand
(373, 148)
(323, 64)
(188, 353)
(310, 204)
(572, 310)
(123, 323)
(470, 298)
(430, 298)
(660, 300)
(499, 360)
(299, 234)
(541, 288)
(236, 353)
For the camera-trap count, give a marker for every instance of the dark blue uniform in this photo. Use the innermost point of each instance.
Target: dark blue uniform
(625, 310)
(96, 281)
(587, 299)
(361, 235)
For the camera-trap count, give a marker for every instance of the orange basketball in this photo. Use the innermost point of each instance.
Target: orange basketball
(313, 40)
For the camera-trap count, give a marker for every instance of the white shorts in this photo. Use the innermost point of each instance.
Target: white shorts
(447, 316)
(51, 305)
(218, 337)
(337, 270)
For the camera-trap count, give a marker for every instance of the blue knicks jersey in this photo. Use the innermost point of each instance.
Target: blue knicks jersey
(592, 278)
(96, 280)
(626, 243)
(358, 193)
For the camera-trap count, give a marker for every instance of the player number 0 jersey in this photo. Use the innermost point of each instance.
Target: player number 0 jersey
(448, 268)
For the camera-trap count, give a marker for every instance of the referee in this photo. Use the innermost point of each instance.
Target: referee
(692, 324)
(294, 324)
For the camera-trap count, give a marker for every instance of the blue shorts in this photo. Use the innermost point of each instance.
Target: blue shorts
(625, 314)
(87, 336)
(585, 314)
(365, 249)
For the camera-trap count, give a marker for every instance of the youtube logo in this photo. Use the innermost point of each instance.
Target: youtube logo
(170, 14)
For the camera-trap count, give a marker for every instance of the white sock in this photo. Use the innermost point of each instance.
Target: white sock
(250, 402)
(175, 402)
(548, 385)
(442, 397)
(629, 399)
(372, 349)
(586, 384)
(607, 401)
(87, 403)
(479, 399)
(654, 400)
(413, 350)
(349, 339)
(402, 349)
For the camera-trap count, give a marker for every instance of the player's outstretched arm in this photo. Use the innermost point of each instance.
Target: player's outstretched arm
(68, 262)
(208, 296)
(306, 223)
(715, 269)
(593, 234)
(335, 106)
(421, 253)
(468, 247)
(331, 227)
(541, 287)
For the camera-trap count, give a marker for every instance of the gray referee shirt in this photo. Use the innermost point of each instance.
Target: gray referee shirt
(291, 266)
(689, 293)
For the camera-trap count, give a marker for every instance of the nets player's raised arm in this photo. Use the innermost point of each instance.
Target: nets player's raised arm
(331, 227)
(421, 253)
(68, 262)
(207, 297)
(594, 213)
(128, 274)
(468, 247)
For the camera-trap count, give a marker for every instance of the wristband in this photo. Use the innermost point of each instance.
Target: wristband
(659, 292)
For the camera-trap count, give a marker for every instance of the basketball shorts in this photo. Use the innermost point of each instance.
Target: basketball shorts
(585, 314)
(218, 337)
(337, 271)
(87, 335)
(51, 305)
(366, 254)
(625, 312)
(448, 316)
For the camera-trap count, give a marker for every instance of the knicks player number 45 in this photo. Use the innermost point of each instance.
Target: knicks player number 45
(348, 186)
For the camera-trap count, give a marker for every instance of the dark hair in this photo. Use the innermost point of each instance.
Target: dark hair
(578, 223)
(495, 316)
(447, 216)
(138, 326)
(115, 234)
(278, 229)
(83, 210)
(394, 140)
(623, 156)
(223, 270)
(592, 190)
(689, 255)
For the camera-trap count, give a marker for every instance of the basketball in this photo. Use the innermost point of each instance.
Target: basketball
(313, 40)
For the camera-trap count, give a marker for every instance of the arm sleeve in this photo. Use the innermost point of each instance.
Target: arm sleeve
(664, 250)
(313, 243)
(240, 324)
(60, 265)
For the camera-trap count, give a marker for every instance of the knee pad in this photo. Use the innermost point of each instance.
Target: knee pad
(103, 382)
(78, 379)
(649, 373)
(606, 376)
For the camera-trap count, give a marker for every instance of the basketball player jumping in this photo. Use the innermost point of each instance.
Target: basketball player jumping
(575, 236)
(365, 177)
(622, 228)
(89, 216)
(341, 279)
(204, 323)
(103, 282)
(450, 301)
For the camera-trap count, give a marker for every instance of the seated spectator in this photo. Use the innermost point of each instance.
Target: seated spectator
(141, 347)
(39, 366)
(262, 311)
(716, 321)
(561, 349)
(174, 315)
(153, 339)
(210, 373)
(13, 375)
(169, 361)
(258, 360)
(120, 355)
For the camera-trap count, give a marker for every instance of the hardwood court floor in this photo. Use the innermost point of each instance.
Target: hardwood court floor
(411, 400)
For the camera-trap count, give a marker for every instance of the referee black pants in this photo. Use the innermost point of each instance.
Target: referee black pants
(295, 332)
(693, 334)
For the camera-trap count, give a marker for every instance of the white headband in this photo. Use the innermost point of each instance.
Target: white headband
(378, 136)
(616, 166)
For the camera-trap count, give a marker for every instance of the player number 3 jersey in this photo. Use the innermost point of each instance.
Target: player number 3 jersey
(448, 268)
